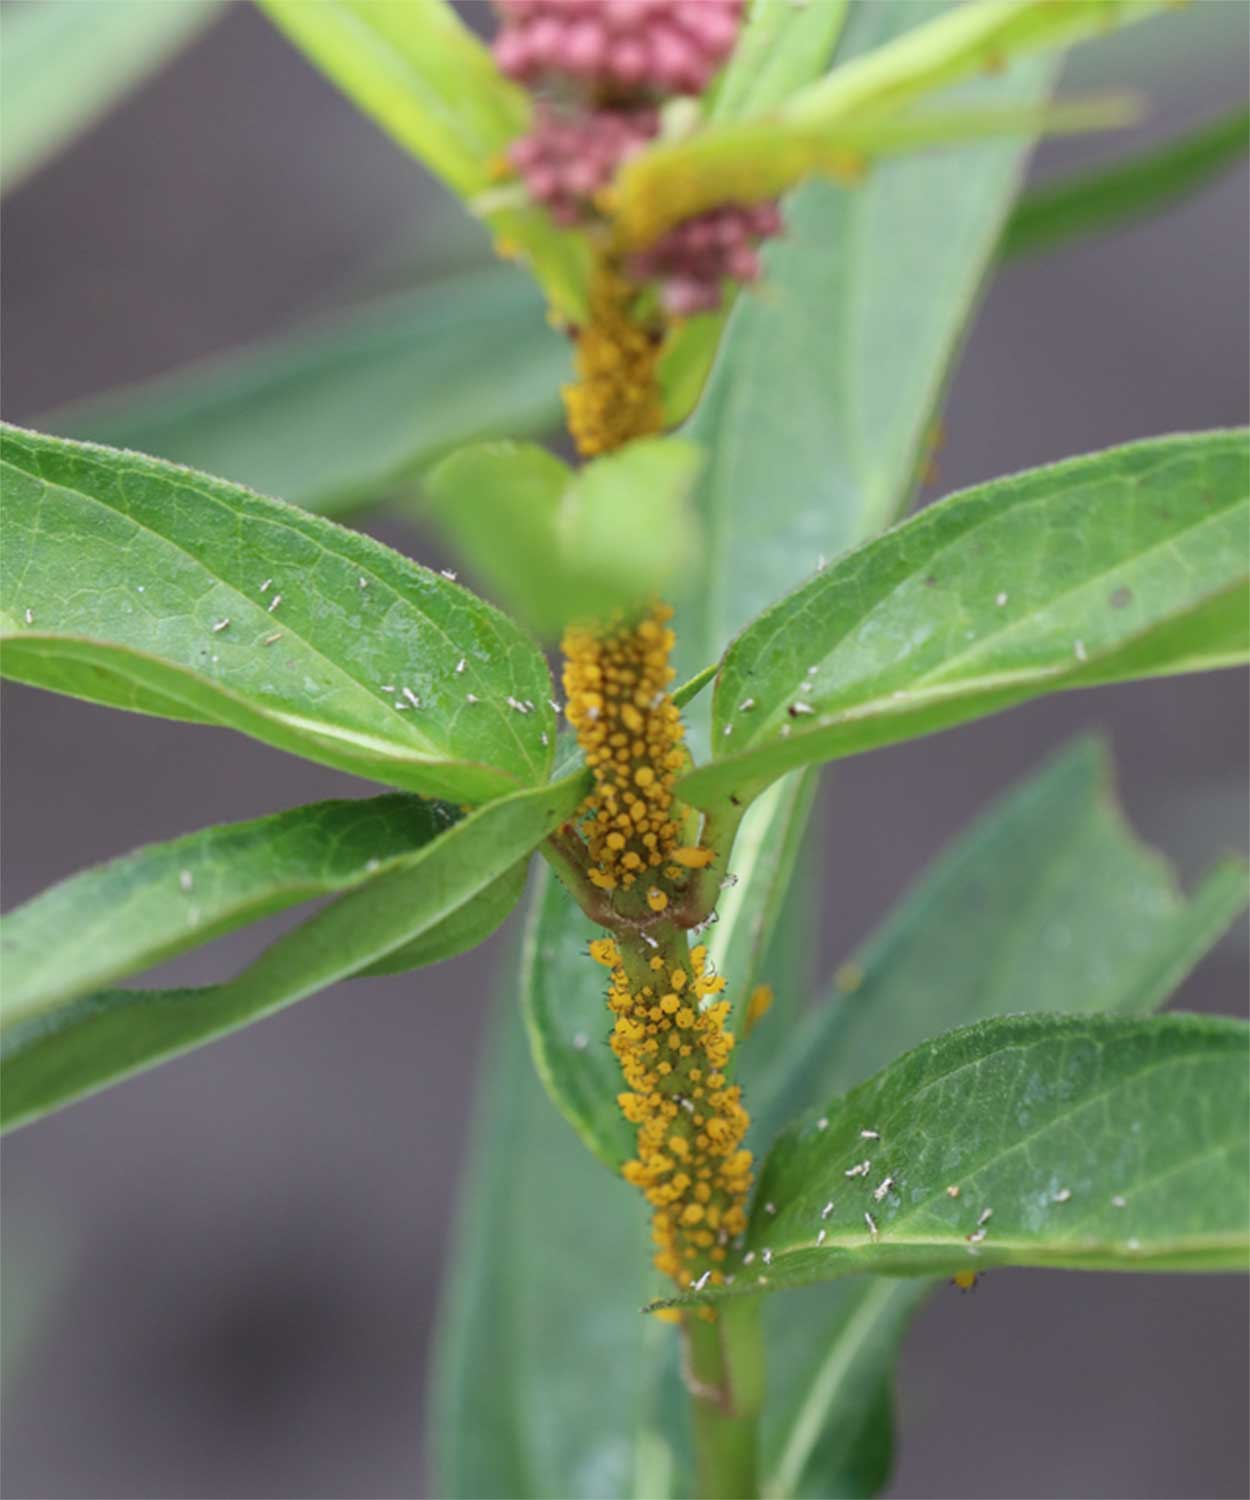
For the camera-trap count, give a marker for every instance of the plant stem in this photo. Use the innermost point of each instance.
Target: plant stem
(725, 1376)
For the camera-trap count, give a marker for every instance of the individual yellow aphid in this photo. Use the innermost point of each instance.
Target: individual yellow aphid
(965, 1280)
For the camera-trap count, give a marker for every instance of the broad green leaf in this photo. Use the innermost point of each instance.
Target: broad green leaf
(1095, 1143)
(1048, 903)
(818, 409)
(140, 909)
(62, 66)
(351, 410)
(1127, 563)
(78, 1047)
(556, 544)
(1095, 202)
(547, 1380)
(840, 112)
(421, 74)
(128, 581)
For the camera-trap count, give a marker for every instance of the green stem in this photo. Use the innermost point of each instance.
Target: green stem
(725, 1376)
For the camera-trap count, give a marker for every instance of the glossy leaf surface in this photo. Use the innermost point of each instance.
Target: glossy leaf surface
(131, 582)
(347, 411)
(83, 1045)
(1127, 563)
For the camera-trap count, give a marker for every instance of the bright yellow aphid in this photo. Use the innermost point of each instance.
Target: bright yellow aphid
(758, 1006)
(616, 396)
(690, 1163)
(617, 688)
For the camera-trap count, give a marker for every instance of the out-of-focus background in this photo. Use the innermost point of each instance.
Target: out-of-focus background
(220, 1278)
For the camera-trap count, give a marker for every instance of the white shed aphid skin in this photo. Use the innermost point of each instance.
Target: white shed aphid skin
(1078, 648)
(448, 573)
(820, 1238)
(185, 879)
(860, 1169)
(411, 697)
(785, 731)
(363, 582)
(986, 1215)
(728, 729)
(976, 1236)
(387, 687)
(471, 698)
(544, 739)
(580, 1042)
(872, 1225)
(461, 664)
(767, 1257)
(220, 625)
(1119, 1201)
(274, 602)
(728, 882)
(702, 1282)
(30, 616)
(770, 1208)
(823, 1123)
(1061, 1196)
(555, 707)
(800, 707)
(953, 1190)
(827, 1210)
(264, 588)
(1000, 600)
(271, 640)
(649, 940)
(882, 1188)
(746, 705)
(748, 1257)
(870, 1135)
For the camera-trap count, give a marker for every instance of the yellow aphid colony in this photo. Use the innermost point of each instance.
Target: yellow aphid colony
(673, 1047)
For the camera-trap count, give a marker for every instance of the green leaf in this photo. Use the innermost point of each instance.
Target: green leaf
(63, 66)
(1096, 1143)
(782, 46)
(1126, 563)
(421, 74)
(1096, 202)
(80, 1046)
(348, 411)
(555, 544)
(831, 124)
(1048, 903)
(547, 1273)
(818, 410)
(142, 908)
(118, 572)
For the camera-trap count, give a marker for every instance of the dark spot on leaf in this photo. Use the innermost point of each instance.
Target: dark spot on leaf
(1121, 597)
(930, 581)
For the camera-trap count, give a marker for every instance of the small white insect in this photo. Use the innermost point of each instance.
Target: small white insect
(271, 640)
(986, 1215)
(767, 1257)
(30, 616)
(555, 707)
(1000, 600)
(447, 573)
(219, 626)
(770, 1208)
(801, 708)
(1119, 1201)
(387, 687)
(748, 1257)
(462, 663)
(544, 739)
(728, 730)
(1061, 1196)
(882, 1188)
(860, 1169)
(820, 1238)
(185, 879)
(277, 599)
(823, 1123)
(872, 1225)
(264, 588)
(402, 707)
(811, 671)
(363, 582)
(1079, 648)
(702, 1282)
(728, 882)
(870, 1135)
(411, 697)
(827, 1210)
(471, 698)
(746, 705)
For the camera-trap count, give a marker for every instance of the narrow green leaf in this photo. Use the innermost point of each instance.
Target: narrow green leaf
(62, 66)
(782, 46)
(83, 1045)
(1048, 903)
(1095, 1142)
(346, 412)
(819, 407)
(1131, 562)
(1096, 202)
(556, 544)
(422, 75)
(547, 1273)
(140, 909)
(131, 582)
(840, 112)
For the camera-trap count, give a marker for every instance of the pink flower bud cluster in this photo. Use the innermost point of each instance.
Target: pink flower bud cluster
(618, 47)
(692, 260)
(566, 158)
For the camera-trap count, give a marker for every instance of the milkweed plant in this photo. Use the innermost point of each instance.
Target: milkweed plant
(741, 1199)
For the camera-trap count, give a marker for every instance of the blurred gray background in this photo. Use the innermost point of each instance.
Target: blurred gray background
(222, 1275)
